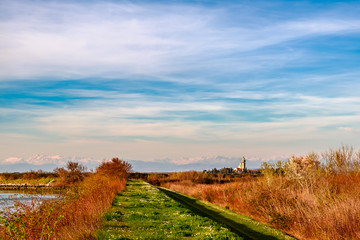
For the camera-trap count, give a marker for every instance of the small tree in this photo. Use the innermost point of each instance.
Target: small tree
(270, 170)
(74, 172)
(115, 167)
(303, 170)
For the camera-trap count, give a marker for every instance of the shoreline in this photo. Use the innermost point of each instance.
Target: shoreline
(31, 187)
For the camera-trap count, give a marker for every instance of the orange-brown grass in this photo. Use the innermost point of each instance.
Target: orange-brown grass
(85, 208)
(36, 215)
(78, 214)
(331, 210)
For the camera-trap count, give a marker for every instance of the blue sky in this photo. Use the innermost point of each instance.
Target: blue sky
(176, 82)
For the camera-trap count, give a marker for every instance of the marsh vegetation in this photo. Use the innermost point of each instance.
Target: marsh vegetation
(316, 196)
(77, 214)
(310, 197)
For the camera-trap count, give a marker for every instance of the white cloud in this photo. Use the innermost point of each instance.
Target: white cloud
(173, 120)
(116, 39)
(224, 161)
(12, 160)
(43, 159)
(128, 42)
(40, 159)
(323, 26)
(190, 160)
(348, 129)
(151, 42)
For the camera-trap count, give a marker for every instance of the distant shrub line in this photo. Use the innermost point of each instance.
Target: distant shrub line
(158, 179)
(27, 175)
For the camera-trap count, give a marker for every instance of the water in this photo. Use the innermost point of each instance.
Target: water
(8, 198)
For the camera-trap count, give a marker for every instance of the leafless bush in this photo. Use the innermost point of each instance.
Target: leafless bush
(342, 160)
(303, 170)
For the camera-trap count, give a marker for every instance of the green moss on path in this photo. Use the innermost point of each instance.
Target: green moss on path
(143, 212)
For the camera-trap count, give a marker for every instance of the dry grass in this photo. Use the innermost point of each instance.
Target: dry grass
(331, 211)
(299, 197)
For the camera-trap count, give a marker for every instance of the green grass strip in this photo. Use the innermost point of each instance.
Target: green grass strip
(144, 212)
(240, 224)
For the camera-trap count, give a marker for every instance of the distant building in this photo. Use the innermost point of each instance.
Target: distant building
(240, 169)
(242, 166)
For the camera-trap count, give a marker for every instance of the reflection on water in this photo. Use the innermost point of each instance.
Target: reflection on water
(8, 198)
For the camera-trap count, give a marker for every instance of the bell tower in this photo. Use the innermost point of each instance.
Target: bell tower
(242, 165)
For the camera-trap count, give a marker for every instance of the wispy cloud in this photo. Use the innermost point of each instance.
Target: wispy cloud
(176, 80)
(12, 160)
(40, 159)
(75, 40)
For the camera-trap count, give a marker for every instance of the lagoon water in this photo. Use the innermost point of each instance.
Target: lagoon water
(8, 198)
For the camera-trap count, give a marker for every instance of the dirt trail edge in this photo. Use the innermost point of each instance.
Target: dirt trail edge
(240, 224)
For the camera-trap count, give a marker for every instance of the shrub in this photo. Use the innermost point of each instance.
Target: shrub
(342, 160)
(34, 220)
(115, 168)
(73, 173)
(303, 170)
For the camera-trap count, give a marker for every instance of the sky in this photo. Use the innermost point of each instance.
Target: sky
(176, 85)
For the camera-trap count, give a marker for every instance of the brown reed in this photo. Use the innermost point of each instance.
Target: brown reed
(77, 215)
(301, 197)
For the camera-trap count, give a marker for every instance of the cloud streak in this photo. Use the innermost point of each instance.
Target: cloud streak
(40, 159)
(177, 80)
(73, 40)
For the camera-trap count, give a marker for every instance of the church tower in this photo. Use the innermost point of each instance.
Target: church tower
(242, 165)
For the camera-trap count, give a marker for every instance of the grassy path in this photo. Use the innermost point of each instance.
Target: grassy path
(240, 224)
(143, 212)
